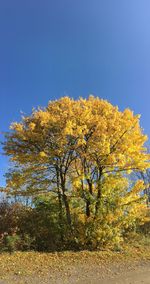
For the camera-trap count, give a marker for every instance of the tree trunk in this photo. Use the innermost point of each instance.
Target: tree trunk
(99, 193)
(60, 208)
(65, 200)
(88, 209)
(68, 215)
(98, 201)
(60, 217)
(88, 203)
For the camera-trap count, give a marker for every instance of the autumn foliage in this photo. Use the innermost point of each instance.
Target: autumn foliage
(77, 156)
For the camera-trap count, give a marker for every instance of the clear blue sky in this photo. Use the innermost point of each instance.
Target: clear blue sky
(49, 49)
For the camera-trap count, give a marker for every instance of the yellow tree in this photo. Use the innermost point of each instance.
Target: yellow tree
(74, 141)
(108, 141)
(42, 153)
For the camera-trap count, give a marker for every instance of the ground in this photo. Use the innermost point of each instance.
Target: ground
(130, 266)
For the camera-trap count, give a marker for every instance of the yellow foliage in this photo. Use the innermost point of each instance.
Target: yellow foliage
(85, 141)
(114, 136)
(42, 154)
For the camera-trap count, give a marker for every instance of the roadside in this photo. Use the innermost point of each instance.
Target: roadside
(104, 267)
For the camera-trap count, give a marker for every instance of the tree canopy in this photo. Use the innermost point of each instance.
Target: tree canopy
(80, 151)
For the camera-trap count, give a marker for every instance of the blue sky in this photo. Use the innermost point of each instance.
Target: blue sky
(49, 49)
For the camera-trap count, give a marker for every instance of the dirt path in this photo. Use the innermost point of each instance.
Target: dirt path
(129, 276)
(131, 273)
(132, 266)
(135, 277)
(117, 273)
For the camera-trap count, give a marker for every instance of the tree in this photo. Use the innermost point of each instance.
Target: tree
(70, 147)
